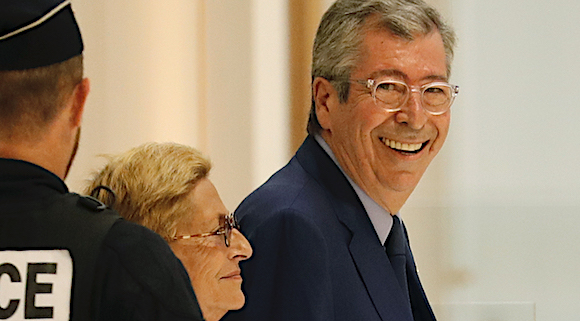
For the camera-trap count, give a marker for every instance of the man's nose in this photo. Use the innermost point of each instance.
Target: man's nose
(412, 112)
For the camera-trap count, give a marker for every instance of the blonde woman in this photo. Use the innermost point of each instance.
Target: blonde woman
(166, 188)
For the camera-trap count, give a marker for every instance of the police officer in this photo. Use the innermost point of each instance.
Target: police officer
(63, 256)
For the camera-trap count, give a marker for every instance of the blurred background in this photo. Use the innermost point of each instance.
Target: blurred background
(494, 224)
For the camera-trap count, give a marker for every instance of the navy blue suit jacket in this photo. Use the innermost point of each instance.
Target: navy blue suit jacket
(316, 254)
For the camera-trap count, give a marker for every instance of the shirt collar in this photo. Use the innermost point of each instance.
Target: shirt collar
(380, 218)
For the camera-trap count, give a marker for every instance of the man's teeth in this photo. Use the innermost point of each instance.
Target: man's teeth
(402, 146)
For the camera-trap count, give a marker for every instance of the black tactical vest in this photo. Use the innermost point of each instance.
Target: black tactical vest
(49, 243)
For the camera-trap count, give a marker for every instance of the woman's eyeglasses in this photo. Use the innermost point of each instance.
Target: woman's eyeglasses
(229, 224)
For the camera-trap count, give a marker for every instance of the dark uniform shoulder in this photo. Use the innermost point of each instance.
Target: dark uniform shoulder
(91, 203)
(83, 212)
(141, 264)
(60, 234)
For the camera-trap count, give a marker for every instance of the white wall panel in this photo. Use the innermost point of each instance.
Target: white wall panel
(247, 94)
(270, 101)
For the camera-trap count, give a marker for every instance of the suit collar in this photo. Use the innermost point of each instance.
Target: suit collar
(321, 167)
(380, 218)
(366, 250)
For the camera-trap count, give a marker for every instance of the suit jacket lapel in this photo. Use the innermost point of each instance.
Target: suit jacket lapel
(365, 247)
(381, 283)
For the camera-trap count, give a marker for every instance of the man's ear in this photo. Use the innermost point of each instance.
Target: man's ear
(79, 98)
(325, 100)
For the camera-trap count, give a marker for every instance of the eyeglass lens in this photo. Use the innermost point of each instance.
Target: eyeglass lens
(230, 224)
(436, 97)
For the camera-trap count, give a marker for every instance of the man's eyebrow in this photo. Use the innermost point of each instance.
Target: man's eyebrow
(388, 72)
(436, 78)
(402, 75)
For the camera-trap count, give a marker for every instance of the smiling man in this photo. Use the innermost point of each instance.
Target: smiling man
(328, 241)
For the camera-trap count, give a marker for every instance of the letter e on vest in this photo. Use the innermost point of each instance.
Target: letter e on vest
(35, 284)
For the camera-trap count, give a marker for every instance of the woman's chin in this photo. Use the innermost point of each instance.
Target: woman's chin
(239, 301)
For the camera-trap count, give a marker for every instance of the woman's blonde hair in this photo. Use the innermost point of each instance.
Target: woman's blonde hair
(151, 183)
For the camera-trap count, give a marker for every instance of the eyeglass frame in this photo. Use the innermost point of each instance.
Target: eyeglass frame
(372, 85)
(230, 223)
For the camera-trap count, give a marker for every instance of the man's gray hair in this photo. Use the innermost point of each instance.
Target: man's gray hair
(339, 37)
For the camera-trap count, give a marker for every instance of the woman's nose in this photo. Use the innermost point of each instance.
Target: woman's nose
(240, 246)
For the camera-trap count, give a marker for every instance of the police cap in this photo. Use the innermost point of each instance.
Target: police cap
(37, 33)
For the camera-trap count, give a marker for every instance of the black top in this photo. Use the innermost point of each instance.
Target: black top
(120, 270)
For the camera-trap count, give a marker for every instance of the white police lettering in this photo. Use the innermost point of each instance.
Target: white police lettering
(35, 284)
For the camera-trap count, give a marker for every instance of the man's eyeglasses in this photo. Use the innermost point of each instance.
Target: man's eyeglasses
(229, 224)
(436, 97)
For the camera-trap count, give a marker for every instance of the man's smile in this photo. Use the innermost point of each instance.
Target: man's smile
(412, 148)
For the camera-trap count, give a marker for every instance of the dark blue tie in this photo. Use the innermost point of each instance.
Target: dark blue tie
(396, 247)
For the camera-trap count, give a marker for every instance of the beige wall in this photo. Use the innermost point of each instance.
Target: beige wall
(146, 77)
(247, 93)
(210, 74)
